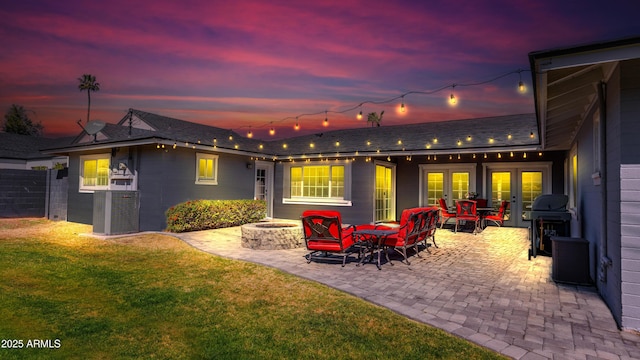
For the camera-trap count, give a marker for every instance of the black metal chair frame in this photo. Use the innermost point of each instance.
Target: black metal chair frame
(466, 208)
(320, 232)
(430, 227)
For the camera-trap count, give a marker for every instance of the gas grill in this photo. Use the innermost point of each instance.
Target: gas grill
(549, 217)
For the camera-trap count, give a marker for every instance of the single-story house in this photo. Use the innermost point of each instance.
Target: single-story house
(369, 174)
(581, 142)
(28, 185)
(588, 106)
(22, 152)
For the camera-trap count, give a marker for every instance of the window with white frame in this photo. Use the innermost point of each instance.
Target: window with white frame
(318, 183)
(206, 169)
(94, 172)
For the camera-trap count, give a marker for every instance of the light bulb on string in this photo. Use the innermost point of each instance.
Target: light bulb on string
(249, 134)
(296, 127)
(402, 107)
(359, 116)
(272, 131)
(521, 87)
(326, 120)
(452, 99)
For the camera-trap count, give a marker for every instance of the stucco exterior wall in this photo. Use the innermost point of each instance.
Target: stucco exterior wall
(166, 177)
(610, 288)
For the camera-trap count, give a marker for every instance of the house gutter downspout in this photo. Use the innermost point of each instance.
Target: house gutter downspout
(604, 260)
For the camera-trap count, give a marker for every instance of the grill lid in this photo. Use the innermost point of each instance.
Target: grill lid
(550, 202)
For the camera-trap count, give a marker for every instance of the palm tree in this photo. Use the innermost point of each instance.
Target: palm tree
(374, 118)
(88, 82)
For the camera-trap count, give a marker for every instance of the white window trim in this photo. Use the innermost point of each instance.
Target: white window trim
(344, 201)
(90, 189)
(213, 181)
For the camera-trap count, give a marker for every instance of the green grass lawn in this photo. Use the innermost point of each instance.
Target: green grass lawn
(152, 296)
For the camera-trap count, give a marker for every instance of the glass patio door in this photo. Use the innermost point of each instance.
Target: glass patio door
(384, 198)
(264, 185)
(501, 186)
(518, 183)
(451, 183)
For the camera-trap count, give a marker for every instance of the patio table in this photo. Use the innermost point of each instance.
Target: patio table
(373, 239)
(482, 212)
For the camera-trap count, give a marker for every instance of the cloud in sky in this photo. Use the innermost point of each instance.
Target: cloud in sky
(241, 64)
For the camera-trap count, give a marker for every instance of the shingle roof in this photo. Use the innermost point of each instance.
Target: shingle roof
(25, 147)
(452, 136)
(387, 139)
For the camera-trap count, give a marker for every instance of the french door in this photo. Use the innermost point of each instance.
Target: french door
(264, 185)
(384, 195)
(451, 182)
(518, 183)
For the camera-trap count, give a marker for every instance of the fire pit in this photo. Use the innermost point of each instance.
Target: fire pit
(272, 235)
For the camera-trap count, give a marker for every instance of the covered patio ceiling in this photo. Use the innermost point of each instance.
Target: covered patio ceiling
(566, 86)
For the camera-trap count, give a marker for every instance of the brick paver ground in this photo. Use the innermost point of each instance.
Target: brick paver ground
(479, 287)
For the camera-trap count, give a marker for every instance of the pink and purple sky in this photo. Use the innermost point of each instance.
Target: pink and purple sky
(252, 65)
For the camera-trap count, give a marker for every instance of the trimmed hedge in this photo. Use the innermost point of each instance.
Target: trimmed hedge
(197, 215)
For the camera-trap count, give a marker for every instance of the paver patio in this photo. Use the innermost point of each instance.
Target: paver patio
(481, 288)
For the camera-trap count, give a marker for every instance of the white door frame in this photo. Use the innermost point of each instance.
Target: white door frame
(268, 167)
(392, 166)
(517, 168)
(447, 169)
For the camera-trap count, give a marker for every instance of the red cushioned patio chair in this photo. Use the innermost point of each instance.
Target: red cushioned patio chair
(445, 214)
(466, 211)
(323, 234)
(498, 218)
(430, 226)
(412, 224)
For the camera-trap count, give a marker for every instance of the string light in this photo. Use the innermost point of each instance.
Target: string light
(175, 145)
(272, 131)
(468, 137)
(509, 136)
(452, 99)
(250, 134)
(521, 88)
(326, 119)
(531, 135)
(296, 127)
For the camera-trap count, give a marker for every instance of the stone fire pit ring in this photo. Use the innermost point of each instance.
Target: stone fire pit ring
(276, 235)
